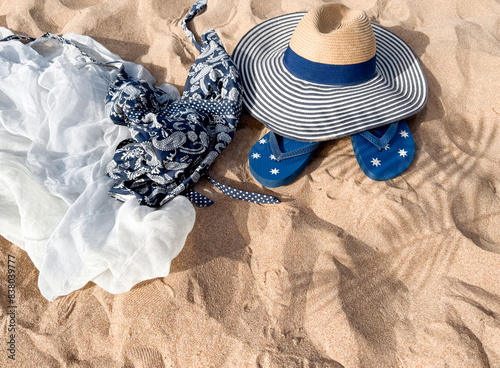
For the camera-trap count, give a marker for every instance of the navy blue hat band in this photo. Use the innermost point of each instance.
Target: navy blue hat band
(329, 74)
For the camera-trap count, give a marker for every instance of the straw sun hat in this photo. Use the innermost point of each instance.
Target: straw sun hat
(327, 73)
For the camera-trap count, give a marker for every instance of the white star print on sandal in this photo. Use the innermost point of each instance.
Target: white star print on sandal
(276, 161)
(386, 152)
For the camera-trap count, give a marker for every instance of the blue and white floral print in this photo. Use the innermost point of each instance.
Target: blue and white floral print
(174, 141)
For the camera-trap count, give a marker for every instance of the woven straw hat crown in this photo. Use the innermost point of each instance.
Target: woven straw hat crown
(334, 34)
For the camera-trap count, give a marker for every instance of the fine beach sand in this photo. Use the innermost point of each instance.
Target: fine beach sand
(346, 271)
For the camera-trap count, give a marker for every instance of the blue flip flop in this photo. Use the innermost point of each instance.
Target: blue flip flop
(275, 160)
(384, 153)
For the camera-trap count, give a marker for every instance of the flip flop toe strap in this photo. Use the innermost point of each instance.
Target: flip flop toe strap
(279, 155)
(383, 141)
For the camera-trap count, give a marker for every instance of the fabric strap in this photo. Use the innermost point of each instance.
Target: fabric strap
(244, 195)
(199, 200)
(197, 8)
(87, 57)
(329, 74)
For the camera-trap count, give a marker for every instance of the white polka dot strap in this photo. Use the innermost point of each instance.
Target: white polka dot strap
(244, 195)
(199, 200)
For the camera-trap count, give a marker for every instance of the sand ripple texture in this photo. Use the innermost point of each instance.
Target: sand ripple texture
(346, 272)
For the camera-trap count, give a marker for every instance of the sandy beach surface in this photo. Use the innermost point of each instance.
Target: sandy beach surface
(346, 271)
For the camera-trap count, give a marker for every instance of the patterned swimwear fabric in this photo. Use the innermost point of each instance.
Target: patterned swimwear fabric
(174, 141)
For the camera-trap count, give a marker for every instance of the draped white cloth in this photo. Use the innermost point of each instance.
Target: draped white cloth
(55, 142)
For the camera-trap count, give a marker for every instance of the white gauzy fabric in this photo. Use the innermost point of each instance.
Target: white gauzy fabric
(55, 142)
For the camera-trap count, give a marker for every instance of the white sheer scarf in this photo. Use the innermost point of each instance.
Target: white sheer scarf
(55, 142)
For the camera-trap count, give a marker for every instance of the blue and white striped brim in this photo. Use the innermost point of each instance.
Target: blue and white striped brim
(307, 111)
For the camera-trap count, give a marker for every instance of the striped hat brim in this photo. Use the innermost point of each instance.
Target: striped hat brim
(306, 111)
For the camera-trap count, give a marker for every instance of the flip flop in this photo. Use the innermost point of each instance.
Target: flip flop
(384, 153)
(275, 160)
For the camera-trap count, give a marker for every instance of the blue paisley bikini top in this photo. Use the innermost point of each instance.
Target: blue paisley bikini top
(175, 141)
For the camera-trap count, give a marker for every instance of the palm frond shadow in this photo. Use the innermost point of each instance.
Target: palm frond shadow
(477, 298)
(367, 292)
(360, 282)
(338, 161)
(430, 215)
(457, 170)
(426, 231)
(465, 313)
